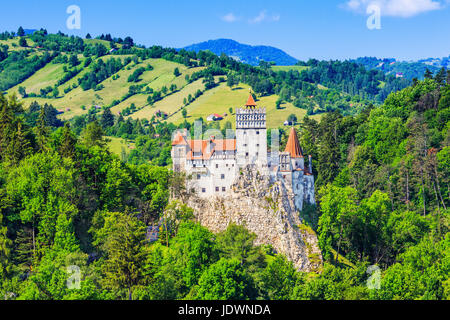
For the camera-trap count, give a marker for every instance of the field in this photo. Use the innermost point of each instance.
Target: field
(119, 145)
(222, 98)
(72, 102)
(289, 68)
(13, 44)
(217, 100)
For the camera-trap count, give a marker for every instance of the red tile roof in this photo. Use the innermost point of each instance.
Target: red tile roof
(251, 102)
(179, 140)
(293, 146)
(201, 146)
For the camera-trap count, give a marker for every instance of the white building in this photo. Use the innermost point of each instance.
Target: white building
(213, 164)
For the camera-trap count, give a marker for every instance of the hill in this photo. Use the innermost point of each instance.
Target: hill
(437, 62)
(84, 77)
(245, 53)
(406, 69)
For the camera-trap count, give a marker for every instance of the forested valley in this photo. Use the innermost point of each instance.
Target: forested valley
(382, 174)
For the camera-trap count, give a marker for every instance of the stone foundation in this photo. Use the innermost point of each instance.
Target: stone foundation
(266, 209)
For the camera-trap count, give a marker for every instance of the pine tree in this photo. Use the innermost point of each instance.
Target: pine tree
(6, 126)
(67, 148)
(24, 249)
(428, 74)
(329, 153)
(21, 32)
(440, 76)
(138, 129)
(5, 251)
(42, 130)
(21, 145)
(107, 119)
(124, 247)
(93, 135)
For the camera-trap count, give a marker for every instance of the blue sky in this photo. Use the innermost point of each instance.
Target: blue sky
(322, 29)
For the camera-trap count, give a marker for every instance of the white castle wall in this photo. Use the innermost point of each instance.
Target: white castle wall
(214, 177)
(251, 137)
(205, 180)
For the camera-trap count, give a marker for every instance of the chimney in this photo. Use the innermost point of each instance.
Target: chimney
(310, 164)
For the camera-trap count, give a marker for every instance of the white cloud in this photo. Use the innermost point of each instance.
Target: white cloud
(396, 8)
(230, 18)
(263, 16)
(276, 18)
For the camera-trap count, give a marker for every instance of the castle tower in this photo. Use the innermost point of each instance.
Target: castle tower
(295, 151)
(251, 135)
(294, 173)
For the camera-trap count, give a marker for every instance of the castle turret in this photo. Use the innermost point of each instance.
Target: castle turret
(251, 135)
(295, 151)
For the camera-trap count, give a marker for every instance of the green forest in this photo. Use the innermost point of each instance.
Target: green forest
(382, 169)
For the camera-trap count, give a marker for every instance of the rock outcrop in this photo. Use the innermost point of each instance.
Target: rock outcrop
(268, 211)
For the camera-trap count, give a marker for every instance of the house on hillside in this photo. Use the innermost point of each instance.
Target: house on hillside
(214, 117)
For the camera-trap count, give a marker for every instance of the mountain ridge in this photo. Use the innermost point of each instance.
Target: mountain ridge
(243, 52)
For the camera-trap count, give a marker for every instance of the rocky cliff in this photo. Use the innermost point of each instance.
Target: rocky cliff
(268, 211)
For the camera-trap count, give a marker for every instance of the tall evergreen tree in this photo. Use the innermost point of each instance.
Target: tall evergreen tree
(93, 135)
(69, 140)
(329, 153)
(122, 239)
(21, 32)
(42, 130)
(107, 119)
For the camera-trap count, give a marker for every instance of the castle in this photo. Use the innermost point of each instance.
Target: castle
(214, 164)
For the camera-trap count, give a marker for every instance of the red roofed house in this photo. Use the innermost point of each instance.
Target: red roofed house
(214, 117)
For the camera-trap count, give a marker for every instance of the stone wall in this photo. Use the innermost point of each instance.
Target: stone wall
(266, 209)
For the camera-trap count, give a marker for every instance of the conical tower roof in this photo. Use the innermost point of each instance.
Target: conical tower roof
(251, 102)
(293, 146)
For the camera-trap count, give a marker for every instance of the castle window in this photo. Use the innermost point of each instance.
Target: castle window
(257, 132)
(222, 176)
(223, 189)
(198, 177)
(217, 189)
(217, 166)
(203, 190)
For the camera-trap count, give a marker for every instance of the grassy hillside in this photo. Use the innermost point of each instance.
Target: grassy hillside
(222, 98)
(218, 100)
(119, 145)
(289, 68)
(199, 85)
